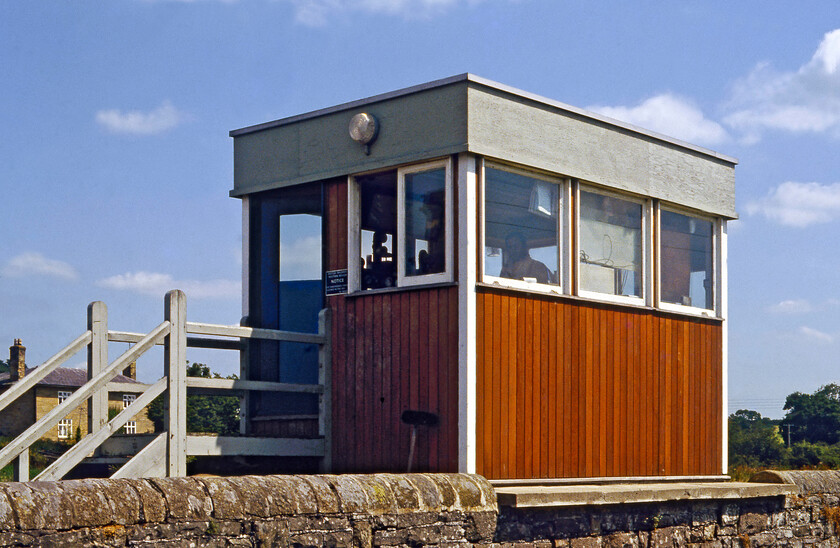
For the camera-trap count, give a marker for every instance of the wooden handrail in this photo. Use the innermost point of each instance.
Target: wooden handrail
(209, 384)
(172, 334)
(23, 385)
(86, 445)
(34, 432)
(253, 333)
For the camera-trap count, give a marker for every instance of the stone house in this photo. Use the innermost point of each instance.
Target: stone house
(53, 389)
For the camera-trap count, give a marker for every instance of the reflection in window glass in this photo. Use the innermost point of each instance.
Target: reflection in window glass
(610, 241)
(520, 227)
(425, 228)
(299, 247)
(686, 260)
(378, 229)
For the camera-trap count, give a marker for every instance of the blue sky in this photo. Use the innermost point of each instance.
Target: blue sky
(115, 160)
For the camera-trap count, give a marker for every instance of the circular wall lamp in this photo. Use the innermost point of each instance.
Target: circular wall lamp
(364, 129)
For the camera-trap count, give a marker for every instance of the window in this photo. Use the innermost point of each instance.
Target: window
(63, 395)
(404, 232)
(131, 426)
(521, 228)
(686, 266)
(378, 221)
(65, 429)
(610, 246)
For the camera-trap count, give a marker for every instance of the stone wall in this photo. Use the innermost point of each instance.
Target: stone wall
(412, 509)
(444, 510)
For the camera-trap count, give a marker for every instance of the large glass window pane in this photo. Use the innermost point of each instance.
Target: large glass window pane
(520, 227)
(378, 229)
(425, 222)
(686, 260)
(610, 242)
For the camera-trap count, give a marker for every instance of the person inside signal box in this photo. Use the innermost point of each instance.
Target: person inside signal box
(518, 263)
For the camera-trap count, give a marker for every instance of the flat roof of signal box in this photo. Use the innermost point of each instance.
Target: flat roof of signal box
(466, 113)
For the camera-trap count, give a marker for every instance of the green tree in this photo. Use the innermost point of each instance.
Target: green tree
(216, 414)
(4, 366)
(814, 455)
(754, 440)
(815, 418)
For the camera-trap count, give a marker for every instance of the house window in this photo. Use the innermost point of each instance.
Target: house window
(401, 227)
(610, 245)
(686, 265)
(131, 426)
(521, 228)
(63, 395)
(65, 429)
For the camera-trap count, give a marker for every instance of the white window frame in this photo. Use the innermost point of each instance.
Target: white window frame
(63, 395)
(130, 426)
(354, 229)
(424, 279)
(716, 264)
(647, 251)
(65, 429)
(562, 231)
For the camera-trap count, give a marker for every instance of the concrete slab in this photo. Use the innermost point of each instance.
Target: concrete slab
(585, 495)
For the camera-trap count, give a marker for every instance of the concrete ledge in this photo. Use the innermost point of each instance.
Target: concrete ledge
(584, 495)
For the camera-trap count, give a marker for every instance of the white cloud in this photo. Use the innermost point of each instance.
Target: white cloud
(156, 284)
(799, 204)
(815, 334)
(792, 306)
(805, 100)
(135, 122)
(35, 264)
(670, 115)
(316, 13)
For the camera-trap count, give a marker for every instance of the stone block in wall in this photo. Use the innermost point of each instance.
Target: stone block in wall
(667, 537)
(186, 498)
(753, 522)
(7, 516)
(351, 495)
(325, 497)
(271, 533)
(701, 533)
(40, 506)
(15, 538)
(152, 503)
(622, 540)
(585, 542)
(226, 500)
(729, 515)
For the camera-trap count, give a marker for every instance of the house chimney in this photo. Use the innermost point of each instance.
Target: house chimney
(17, 361)
(131, 371)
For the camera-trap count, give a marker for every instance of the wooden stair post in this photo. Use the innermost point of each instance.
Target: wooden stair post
(175, 369)
(97, 360)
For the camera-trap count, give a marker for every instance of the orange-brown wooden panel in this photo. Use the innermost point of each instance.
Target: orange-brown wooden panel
(583, 389)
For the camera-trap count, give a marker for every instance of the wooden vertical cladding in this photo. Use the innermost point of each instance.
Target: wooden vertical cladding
(577, 389)
(392, 351)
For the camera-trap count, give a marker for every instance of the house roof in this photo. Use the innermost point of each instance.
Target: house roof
(67, 376)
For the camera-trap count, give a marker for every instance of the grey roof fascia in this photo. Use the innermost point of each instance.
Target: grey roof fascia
(468, 77)
(352, 104)
(600, 118)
